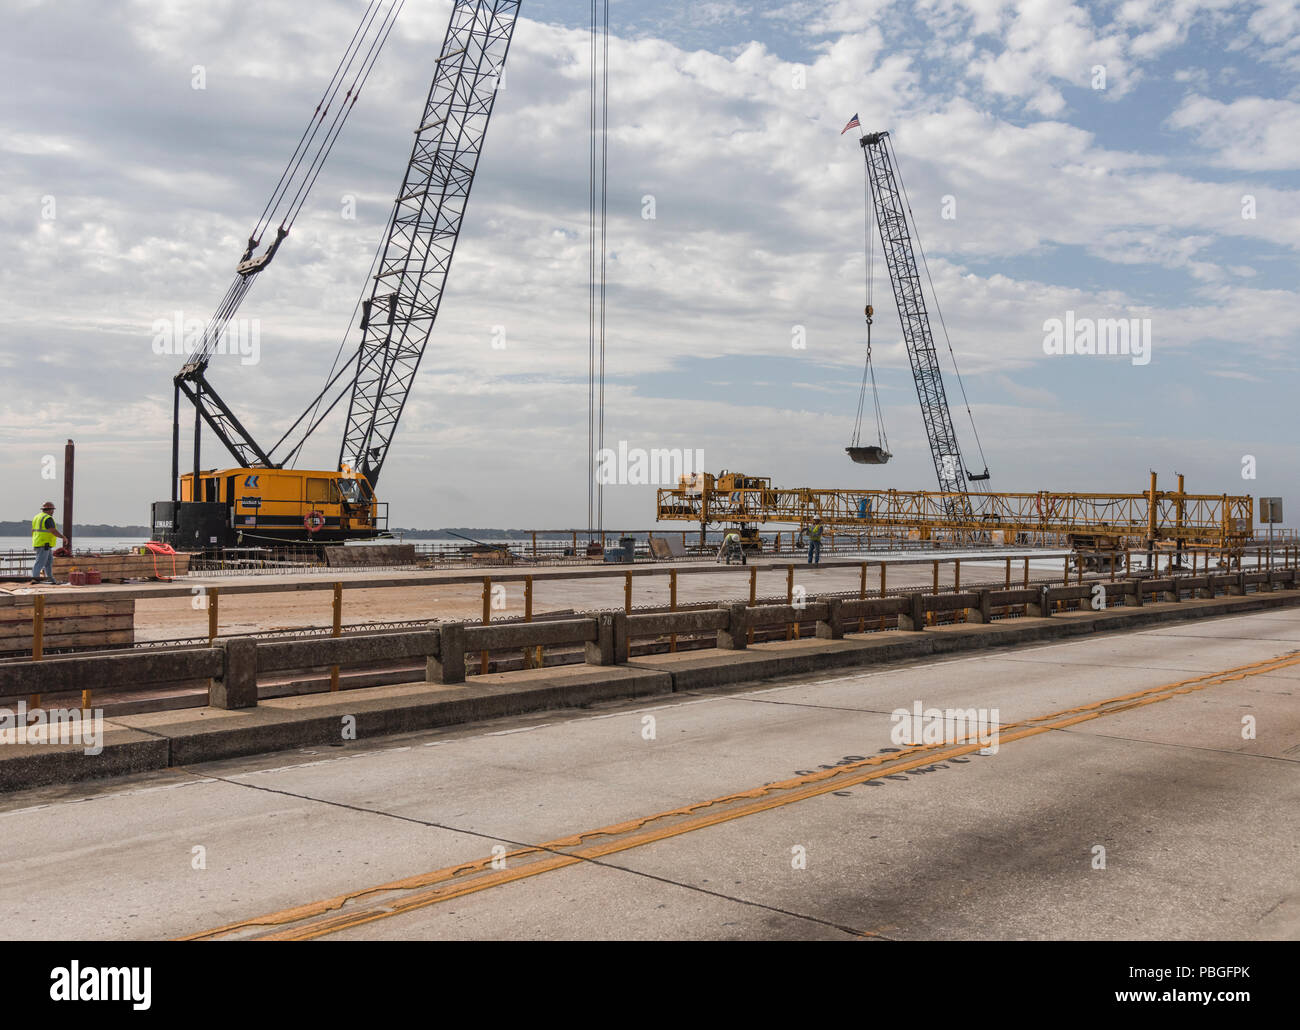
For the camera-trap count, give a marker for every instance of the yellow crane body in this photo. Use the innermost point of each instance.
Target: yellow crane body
(256, 506)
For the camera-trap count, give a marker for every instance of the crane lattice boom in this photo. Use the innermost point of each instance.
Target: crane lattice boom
(905, 278)
(422, 232)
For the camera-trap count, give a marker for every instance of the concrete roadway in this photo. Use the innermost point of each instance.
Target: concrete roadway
(1201, 827)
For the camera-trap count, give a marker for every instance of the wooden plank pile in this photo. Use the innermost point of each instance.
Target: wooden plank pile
(68, 623)
(117, 568)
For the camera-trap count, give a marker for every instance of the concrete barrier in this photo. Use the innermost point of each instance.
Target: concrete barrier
(609, 647)
(772, 614)
(447, 663)
(874, 608)
(1041, 606)
(950, 602)
(734, 636)
(232, 667)
(236, 687)
(695, 621)
(515, 635)
(316, 652)
(913, 619)
(831, 627)
(155, 670)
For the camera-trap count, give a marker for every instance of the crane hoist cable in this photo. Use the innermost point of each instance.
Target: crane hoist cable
(304, 165)
(313, 123)
(335, 373)
(981, 477)
(597, 227)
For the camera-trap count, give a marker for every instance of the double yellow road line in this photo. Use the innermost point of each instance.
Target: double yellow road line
(369, 904)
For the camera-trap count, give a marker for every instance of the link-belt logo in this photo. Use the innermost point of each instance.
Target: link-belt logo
(102, 983)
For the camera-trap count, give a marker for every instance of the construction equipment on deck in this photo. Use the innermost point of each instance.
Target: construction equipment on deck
(259, 499)
(1217, 522)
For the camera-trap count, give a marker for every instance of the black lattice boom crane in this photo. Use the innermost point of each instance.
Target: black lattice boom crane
(260, 500)
(896, 236)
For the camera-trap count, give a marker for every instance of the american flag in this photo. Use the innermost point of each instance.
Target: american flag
(853, 124)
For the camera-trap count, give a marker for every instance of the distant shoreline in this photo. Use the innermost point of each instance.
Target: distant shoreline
(98, 530)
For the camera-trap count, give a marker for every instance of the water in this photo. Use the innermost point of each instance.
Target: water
(88, 544)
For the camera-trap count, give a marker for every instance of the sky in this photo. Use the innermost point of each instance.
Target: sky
(1090, 161)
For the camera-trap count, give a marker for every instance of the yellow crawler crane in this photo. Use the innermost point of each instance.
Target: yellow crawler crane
(1173, 520)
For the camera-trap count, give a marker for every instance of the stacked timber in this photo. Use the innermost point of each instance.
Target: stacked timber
(117, 568)
(68, 624)
(369, 554)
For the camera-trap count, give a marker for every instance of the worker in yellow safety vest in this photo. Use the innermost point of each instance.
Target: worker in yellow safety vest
(732, 548)
(815, 542)
(45, 534)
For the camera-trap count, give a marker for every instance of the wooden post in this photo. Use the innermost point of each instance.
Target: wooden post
(862, 596)
(882, 593)
(38, 640)
(532, 659)
(1128, 562)
(534, 545)
(1008, 586)
(213, 602)
(1026, 573)
(958, 616)
(487, 617)
(575, 543)
(672, 607)
(336, 631)
(790, 627)
(753, 600)
(627, 607)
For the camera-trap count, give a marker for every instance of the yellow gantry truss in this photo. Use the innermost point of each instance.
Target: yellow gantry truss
(1195, 520)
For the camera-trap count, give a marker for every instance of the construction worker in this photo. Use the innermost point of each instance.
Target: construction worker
(815, 542)
(731, 548)
(45, 534)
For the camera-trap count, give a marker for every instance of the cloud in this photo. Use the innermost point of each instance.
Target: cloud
(1065, 198)
(1250, 133)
